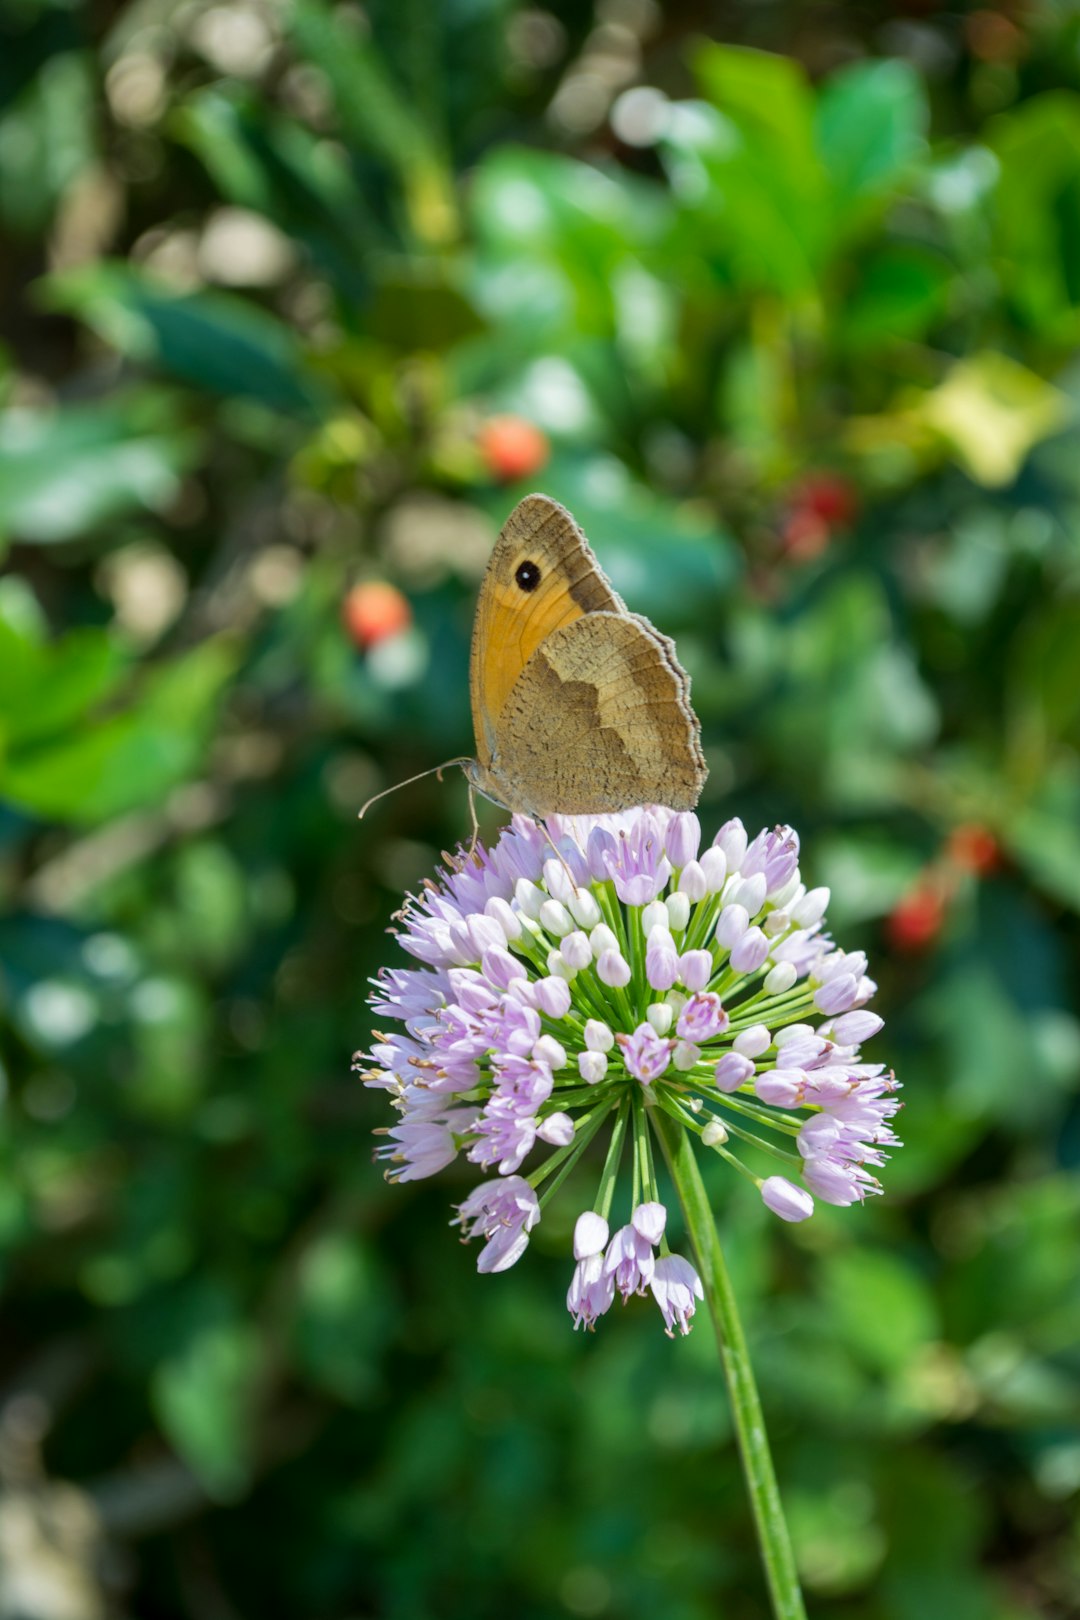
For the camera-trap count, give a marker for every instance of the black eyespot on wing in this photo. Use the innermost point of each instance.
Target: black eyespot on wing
(527, 576)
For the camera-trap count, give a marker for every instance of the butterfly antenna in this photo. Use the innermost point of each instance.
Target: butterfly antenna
(559, 856)
(435, 770)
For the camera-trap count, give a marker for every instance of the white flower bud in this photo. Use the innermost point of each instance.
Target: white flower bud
(678, 912)
(653, 916)
(598, 1037)
(576, 950)
(584, 909)
(714, 867)
(791, 1032)
(529, 898)
(613, 970)
(556, 882)
(592, 1067)
(602, 939)
(506, 917)
(731, 925)
(715, 1134)
(660, 1016)
(811, 908)
(749, 892)
(558, 1129)
(547, 1050)
(685, 1055)
(555, 918)
(753, 1041)
(590, 1235)
(693, 882)
(559, 966)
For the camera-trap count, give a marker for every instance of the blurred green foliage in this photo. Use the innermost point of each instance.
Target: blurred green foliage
(798, 327)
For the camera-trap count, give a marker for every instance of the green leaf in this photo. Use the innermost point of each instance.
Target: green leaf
(1044, 834)
(205, 1395)
(765, 182)
(899, 294)
(47, 688)
(129, 759)
(882, 1307)
(766, 95)
(217, 342)
(1036, 211)
(871, 125)
(65, 472)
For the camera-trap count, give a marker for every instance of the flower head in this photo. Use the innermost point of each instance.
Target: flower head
(554, 996)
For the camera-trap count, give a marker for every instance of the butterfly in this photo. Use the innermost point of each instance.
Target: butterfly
(579, 706)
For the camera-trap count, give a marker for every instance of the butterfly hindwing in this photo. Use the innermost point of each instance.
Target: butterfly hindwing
(598, 720)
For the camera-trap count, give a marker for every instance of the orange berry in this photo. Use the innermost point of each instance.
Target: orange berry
(373, 610)
(512, 448)
(973, 848)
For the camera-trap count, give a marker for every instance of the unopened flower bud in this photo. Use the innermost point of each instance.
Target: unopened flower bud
(753, 1041)
(661, 959)
(553, 997)
(547, 1050)
(750, 953)
(748, 892)
(558, 1129)
(505, 915)
(692, 882)
(780, 978)
(732, 1071)
(683, 838)
(714, 868)
(791, 1203)
(731, 925)
(583, 908)
(811, 908)
(576, 950)
(598, 1037)
(529, 898)
(555, 918)
(613, 969)
(715, 1134)
(695, 969)
(732, 840)
(654, 915)
(590, 1234)
(660, 1016)
(678, 910)
(592, 1067)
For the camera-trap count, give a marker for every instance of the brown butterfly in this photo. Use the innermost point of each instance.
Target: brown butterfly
(579, 706)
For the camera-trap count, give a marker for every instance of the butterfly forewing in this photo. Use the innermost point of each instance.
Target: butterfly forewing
(542, 575)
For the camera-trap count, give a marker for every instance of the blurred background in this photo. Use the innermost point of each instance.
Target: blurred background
(297, 300)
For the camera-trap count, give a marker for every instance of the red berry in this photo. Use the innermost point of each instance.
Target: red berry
(512, 448)
(373, 610)
(829, 497)
(804, 535)
(916, 920)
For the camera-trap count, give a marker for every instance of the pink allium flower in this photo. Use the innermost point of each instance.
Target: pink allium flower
(551, 998)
